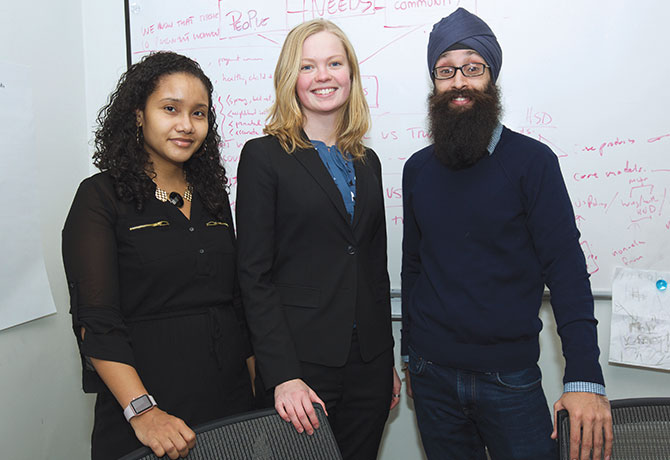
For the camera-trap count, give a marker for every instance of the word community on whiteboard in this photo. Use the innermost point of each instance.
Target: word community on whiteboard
(587, 79)
(640, 332)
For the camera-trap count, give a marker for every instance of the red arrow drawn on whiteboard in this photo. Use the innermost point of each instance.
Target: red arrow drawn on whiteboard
(389, 44)
(268, 39)
(610, 204)
(544, 140)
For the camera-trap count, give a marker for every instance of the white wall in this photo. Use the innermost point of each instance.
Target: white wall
(44, 413)
(76, 51)
(104, 55)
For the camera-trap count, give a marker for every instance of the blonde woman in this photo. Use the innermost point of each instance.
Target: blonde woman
(312, 246)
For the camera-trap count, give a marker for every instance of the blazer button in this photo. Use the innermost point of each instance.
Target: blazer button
(351, 250)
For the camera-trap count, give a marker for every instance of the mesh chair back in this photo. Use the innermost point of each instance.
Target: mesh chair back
(641, 429)
(258, 435)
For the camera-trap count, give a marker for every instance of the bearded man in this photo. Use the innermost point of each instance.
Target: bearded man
(487, 224)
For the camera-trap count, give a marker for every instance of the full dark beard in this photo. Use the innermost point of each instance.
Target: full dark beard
(461, 135)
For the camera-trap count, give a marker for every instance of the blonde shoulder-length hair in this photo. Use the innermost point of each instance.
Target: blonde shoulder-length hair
(285, 118)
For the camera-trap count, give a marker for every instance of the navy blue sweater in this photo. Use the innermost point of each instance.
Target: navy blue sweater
(479, 245)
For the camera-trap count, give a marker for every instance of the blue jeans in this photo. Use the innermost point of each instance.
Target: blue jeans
(462, 413)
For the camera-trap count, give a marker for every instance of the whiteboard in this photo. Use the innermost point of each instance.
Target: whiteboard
(586, 78)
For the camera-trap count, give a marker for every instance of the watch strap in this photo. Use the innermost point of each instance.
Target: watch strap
(130, 411)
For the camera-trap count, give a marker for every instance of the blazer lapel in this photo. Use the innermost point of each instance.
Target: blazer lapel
(309, 158)
(362, 185)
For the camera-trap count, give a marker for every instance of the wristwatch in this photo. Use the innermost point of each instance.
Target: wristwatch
(138, 406)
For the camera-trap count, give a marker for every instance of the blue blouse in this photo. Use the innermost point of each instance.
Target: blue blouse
(342, 171)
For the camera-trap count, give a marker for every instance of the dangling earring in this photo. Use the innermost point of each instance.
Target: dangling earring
(137, 135)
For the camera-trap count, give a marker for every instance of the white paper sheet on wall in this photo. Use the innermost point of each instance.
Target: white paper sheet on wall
(640, 333)
(24, 288)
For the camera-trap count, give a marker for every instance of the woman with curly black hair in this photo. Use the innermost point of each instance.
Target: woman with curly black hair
(149, 254)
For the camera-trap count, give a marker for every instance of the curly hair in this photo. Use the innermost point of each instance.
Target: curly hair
(118, 142)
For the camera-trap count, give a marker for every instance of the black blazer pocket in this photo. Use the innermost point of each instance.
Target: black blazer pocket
(298, 296)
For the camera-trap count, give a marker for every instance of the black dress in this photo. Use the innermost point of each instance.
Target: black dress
(156, 291)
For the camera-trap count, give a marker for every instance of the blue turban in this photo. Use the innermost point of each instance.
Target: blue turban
(466, 29)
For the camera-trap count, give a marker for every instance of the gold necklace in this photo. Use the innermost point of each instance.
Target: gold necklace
(162, 195)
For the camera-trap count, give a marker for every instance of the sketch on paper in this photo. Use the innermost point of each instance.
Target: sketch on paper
(640, 333)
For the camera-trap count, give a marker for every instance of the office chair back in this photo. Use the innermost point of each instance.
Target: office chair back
(257, 435)
(641, 429)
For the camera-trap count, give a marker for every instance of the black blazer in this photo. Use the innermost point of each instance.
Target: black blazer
(306, 272)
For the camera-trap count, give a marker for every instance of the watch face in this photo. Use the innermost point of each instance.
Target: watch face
(141, 404)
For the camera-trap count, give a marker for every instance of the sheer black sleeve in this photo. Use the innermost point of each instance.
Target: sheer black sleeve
(91, 267)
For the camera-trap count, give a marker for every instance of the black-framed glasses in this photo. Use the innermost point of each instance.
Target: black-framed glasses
(473, 69)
